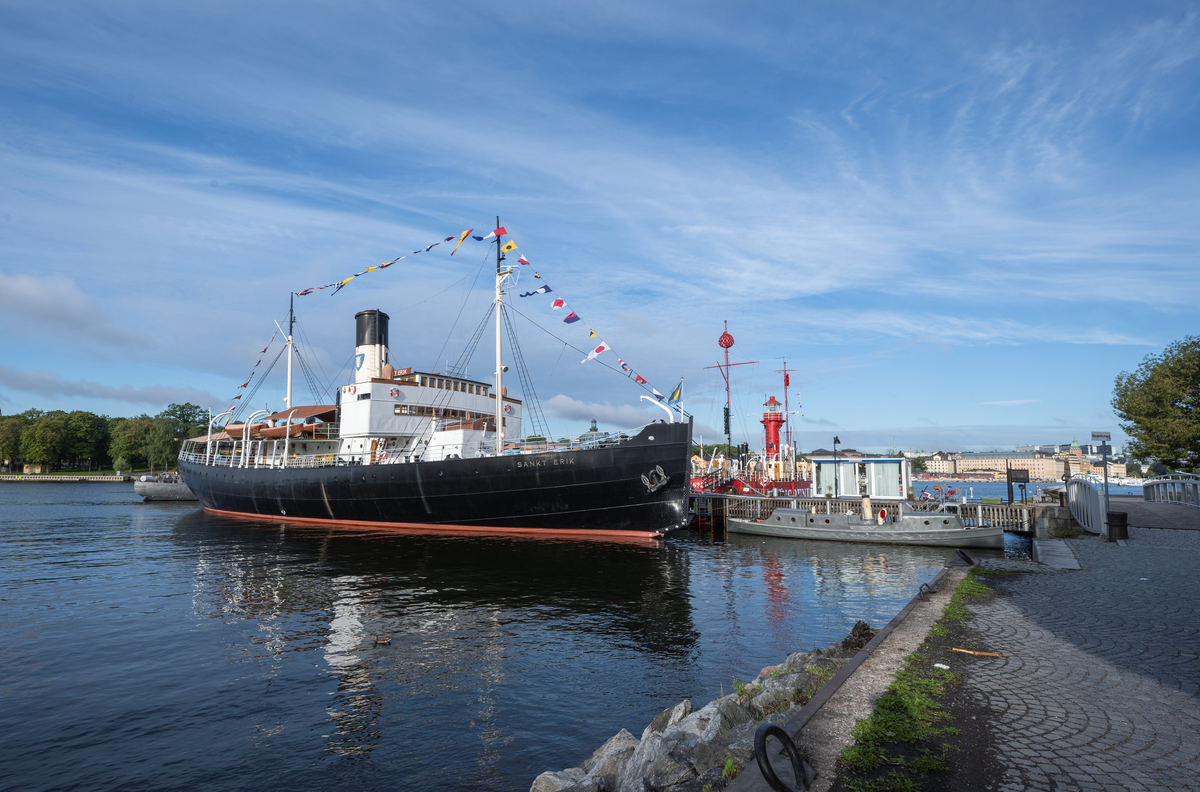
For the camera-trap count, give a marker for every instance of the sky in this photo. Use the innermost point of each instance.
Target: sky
(955, 223)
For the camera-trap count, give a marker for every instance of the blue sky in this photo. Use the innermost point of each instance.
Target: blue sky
(957, 223)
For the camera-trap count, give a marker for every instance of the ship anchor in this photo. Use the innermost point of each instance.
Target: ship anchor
(656, 480)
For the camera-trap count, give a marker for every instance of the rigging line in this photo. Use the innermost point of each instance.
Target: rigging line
(343, 368)
(306, 370)
(462, 306)
(531, 397)
(435, 294)
(249, 397)
(464, 359)
(328, 382)
(577, 349)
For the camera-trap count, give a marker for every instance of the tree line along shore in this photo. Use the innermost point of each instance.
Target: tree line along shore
(81, 440)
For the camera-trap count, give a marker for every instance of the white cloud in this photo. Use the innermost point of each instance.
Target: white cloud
(624, 416)
(34, 306)
(47, 383)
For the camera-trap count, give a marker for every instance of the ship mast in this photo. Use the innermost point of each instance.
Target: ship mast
(499, 303)
(290, 347)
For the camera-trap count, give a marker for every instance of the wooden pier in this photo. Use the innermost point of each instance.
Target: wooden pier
(50, 477)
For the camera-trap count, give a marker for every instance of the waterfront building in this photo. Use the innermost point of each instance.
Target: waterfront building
(941, 462)
(1041, 467)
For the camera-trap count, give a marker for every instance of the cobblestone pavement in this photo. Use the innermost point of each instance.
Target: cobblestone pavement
(1157, 515)
(1101, 690)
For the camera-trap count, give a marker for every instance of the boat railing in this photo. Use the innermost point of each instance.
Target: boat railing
(972, 515)
(1181, 488)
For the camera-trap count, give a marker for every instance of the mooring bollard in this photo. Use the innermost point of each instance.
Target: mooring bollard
(1118, 526)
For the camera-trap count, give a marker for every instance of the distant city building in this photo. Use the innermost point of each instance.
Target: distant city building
(1041, 467)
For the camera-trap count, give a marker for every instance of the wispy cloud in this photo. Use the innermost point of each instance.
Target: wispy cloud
(623, 416)
(36, 306)
(47, 383)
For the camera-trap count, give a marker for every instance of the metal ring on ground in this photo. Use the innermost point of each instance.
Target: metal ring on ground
(800, 768)
(965, 557)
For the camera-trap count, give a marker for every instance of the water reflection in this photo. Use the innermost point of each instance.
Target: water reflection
(242, 651)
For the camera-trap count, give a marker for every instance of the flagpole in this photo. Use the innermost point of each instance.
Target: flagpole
(291, 320)
(499, 367)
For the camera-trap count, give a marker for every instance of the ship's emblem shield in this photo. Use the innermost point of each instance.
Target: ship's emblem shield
(358, 360)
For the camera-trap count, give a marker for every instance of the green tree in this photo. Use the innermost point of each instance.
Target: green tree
(192, 418)
(10, 440)
(45, 440)
(1133, 468)
(87, 436)
(1159, 405)
(918, 465)
(129, 437)
(171, 428)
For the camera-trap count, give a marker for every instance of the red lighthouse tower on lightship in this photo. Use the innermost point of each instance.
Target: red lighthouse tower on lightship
(773, 420)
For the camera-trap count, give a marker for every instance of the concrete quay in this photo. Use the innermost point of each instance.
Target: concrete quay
(1100, 692)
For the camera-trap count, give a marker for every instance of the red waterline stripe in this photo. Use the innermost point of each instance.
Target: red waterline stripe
(558, 533)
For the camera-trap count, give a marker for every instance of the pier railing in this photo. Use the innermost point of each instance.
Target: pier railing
(973, 515)
(1181, 488)
(1085, 496)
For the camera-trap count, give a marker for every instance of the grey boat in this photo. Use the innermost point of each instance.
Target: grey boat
(933, 529)
(163, 488)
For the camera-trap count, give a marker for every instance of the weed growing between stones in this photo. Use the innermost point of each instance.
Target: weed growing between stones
(731, 769)
(906, 741)
(1065, 533)
(894, 781)
(824, 672)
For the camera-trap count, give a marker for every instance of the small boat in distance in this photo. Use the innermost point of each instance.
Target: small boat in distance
(164, 487)
(934, 529)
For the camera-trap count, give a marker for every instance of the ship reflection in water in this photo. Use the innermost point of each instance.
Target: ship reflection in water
(507, 656)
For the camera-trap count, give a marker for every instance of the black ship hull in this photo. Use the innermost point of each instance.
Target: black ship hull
(618, 488)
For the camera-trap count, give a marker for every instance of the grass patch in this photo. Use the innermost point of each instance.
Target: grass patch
(968, 589)
(897, 744)
(894, 781)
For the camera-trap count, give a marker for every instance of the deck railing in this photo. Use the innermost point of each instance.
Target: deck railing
(1181, 488)
(973, 515)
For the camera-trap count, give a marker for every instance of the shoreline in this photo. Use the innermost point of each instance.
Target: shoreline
(712, 748)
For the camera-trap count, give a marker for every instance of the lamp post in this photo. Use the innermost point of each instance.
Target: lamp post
(836, 486)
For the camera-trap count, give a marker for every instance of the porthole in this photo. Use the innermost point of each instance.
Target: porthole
(827, 521)
(793, 519)
(651, 438)
(927, 522)
(945, 522)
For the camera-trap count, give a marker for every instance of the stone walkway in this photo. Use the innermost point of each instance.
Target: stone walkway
(1101, 690)
(1157, 515)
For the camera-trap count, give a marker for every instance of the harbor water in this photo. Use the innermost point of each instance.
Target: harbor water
(152, 646)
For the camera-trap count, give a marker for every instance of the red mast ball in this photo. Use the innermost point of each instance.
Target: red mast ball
(772, 420)
(725, 340)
